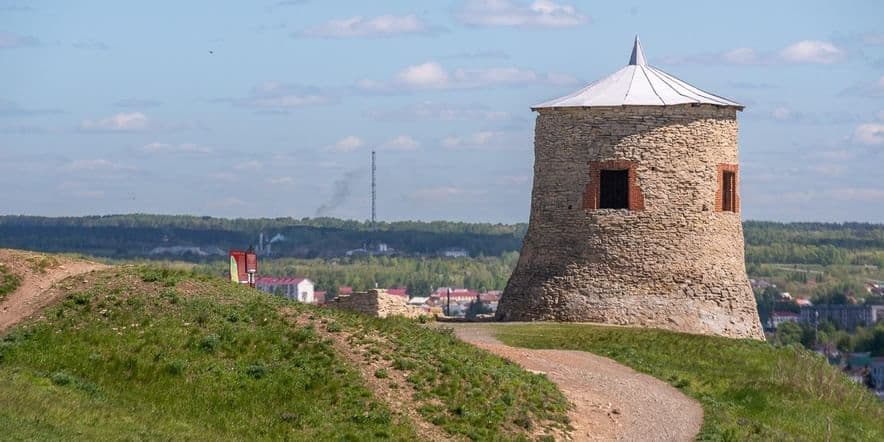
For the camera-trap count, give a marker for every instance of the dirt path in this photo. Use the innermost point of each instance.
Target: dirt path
(611, 401)
(34, 292)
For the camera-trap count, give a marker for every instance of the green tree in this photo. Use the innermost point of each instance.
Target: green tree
(788, 333)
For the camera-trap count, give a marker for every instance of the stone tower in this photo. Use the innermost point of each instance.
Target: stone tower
(635, 211)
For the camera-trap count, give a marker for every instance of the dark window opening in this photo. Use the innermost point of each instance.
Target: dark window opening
(729, 192)
(614, 189)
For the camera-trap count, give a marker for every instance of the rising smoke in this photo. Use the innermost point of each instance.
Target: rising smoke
(343, 188)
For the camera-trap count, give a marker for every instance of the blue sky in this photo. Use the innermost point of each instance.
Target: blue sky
(252, 109)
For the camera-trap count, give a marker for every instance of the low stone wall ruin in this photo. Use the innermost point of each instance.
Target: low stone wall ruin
(376, 303)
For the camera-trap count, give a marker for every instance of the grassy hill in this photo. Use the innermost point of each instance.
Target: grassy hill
(749, 390)
(149, 353)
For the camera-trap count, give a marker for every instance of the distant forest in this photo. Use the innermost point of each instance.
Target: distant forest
(135, 236)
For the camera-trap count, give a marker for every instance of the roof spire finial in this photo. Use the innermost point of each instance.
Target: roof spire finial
(638, 54)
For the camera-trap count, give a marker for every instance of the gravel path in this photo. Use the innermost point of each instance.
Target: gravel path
(611, 401)
(34, 292)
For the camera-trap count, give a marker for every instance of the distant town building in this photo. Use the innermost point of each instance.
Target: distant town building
(846, 316)
(319, 297)
(379, 249)
(455, 252)
(778, 318)
(401, 292)
(296, 289)
(761, 284)
(803, 302)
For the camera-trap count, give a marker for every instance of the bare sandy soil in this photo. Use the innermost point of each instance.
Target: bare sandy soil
(611, 401)
(35, 292)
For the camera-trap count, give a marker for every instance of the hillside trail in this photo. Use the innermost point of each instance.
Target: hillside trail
(612, 402)
(34, 292)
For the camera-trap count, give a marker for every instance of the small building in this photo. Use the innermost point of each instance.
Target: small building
(803, 302)
(418, 301)
(296, 289)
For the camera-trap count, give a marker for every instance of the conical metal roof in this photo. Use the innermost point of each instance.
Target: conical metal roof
(637, 84)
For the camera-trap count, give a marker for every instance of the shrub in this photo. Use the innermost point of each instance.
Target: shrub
(61, 378)
(256, 371)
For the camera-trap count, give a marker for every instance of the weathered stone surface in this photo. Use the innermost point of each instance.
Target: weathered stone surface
(376, 303)
(676, 263)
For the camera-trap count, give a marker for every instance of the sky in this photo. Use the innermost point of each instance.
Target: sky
(272, 108)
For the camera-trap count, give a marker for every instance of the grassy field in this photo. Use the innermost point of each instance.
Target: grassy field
(457, 386)
(149, 353)
(749, 390)
(8, 281)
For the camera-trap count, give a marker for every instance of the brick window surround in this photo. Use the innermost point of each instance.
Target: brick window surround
(719, 194)
(591, 197)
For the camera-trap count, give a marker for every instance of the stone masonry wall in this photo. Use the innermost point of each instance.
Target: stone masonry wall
(376, 303)
(675, 264)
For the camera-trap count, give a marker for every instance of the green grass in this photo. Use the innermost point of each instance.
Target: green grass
(464, 390)
(9, 281)
(749, 390)
(144, 353)
(154, 353)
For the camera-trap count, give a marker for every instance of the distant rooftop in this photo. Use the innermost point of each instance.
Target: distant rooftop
(638, 84)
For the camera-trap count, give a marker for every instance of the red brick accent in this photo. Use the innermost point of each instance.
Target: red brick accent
(719, 194)
(591, 194)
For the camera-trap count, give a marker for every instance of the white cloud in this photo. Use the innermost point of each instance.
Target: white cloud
(874, 88)
(224, 177)
(277, 96)
(478, 139)
(869, 133)
(125, 121)
(227, 203)
(560, 79)
(873, 39)
(79, 190)
(429, 75)
(93, 164)
(812, 51)
(435, 194)
(513, 13)
(249, 165)
(401, 142)
(741, 56)
(156, 147)
(381, 26)
(829, 169)
(432, 75)
(514, 180)
(428, 110)
(857, 194)
(281, 181)
(346, 144)
(8, 40)
(804, 51)
(782, 113)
